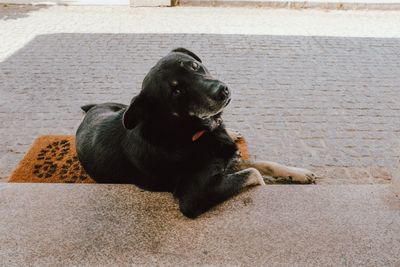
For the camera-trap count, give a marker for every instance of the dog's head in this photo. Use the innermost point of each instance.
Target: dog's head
(179, 85)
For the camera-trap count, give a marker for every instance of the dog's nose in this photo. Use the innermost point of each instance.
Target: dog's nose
(222, 92)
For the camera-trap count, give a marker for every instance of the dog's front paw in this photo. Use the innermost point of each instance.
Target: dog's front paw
(301, 176)
(254, 177)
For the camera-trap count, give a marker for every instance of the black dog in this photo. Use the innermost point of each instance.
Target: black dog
(171, 138)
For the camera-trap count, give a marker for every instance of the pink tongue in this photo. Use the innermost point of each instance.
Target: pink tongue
(197, 135)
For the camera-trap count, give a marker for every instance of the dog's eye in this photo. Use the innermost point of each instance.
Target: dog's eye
(174, 83)
(195, 66)
(176, 92)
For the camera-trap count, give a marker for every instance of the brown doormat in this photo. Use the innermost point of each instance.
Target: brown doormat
(53, 159)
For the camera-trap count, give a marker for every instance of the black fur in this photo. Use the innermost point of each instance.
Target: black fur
(86, 108)
(149, 143)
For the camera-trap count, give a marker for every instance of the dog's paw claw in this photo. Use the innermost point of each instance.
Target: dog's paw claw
(302, 176)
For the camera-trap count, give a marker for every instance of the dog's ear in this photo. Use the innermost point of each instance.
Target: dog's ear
(187, 52)
(134, 113)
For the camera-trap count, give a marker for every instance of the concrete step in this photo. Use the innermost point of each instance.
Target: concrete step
(298, 4)
(104, 225)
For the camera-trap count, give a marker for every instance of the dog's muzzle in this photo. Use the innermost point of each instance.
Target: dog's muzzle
(222, 93)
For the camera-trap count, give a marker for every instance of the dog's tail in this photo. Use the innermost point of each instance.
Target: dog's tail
(86, 108)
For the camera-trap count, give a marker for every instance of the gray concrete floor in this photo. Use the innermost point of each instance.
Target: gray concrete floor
(119, 225)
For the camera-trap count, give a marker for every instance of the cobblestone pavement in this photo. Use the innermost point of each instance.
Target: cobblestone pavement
(301, 97)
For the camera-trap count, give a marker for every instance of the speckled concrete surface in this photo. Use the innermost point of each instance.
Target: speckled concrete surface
(109, 225)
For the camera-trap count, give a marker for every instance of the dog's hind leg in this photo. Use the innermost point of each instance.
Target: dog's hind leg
(278, 173)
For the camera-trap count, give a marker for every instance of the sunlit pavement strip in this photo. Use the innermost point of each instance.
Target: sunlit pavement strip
(14, 33)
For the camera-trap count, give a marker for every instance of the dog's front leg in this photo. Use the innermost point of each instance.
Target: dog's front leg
(198, 196)
(278, 173)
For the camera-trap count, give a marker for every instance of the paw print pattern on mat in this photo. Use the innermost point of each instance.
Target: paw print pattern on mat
(57, 161)
(72, 170)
